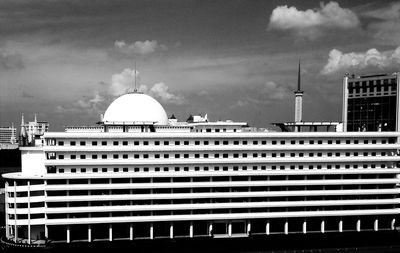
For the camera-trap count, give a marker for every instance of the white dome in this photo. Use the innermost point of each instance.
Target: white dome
(136, 107)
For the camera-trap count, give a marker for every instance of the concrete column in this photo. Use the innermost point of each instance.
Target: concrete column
(323, 226)
(376, 225)
(110, 233)
(68, 234)
(248, 228)
(89, 233)
(171, 230)
(210, 228)
(345, 102)
(131, 231)
(191, 229)
(229, 229)
(151, 231)
(6, 206)
(15, 212)
(341, 226)
(304, 227)
(392, 224)
(267, 227)
(358, 226)
(286, 227)
(29, 212)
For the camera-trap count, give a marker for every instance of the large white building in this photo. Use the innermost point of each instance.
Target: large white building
(137, 176)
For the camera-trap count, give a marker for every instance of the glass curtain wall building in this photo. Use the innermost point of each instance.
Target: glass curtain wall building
(370, 103)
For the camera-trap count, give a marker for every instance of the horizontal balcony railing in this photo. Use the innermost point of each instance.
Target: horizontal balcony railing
(220, 195)
(305, 182)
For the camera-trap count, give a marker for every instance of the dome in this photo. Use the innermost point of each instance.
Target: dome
(136, 107)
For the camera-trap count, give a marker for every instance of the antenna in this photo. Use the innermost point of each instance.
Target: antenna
(135, 90)
(299, 78)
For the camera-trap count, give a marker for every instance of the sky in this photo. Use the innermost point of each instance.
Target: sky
(232, 59)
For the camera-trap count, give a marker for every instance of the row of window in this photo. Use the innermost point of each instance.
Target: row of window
(216, 155)
(224, 142)
(215, 168)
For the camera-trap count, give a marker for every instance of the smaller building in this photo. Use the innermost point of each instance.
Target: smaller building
(8, 135)
(32, 132)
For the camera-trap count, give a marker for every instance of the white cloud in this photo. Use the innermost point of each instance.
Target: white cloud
(161, 91)
(122, 82)
(139, 47)
(348, 61)
(311, 20)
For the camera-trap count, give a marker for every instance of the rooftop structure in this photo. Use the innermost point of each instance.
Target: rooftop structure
(31, 133)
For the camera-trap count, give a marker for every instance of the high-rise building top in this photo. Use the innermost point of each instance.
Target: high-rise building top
(371, 102)
(8, 135)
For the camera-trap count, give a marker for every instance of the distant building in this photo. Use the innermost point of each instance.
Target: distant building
(371, 103)
(298, 104)
(32, 131)
(8, 135)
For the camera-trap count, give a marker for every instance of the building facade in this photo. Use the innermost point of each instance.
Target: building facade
(137, 177)
(371, 103)
(8, 135)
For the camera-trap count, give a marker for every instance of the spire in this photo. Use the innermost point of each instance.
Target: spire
(22, 120)
(35, 118)
(135, 90)
(299, 78)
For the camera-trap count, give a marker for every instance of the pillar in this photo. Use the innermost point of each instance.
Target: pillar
(230, 229)
(267, 228)
(191, 229)
(323, 226)
(110, 233)
(68, 234)
(376, 225)
(151, 231)
(345, 102)
(393, 224)
(15, 213)
(358, 226)
(304, 227)
(210, 227)
(89, 233)
(171, 230)
(286, 227)
(29, 212)
(248, 228)
(341, 226)
(131, 231)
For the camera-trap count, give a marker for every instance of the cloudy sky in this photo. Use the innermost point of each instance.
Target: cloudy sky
(232, 59)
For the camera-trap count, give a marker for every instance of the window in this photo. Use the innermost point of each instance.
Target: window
(197, 143)
(196, 155)
(244, 155)
(355, 141)
(177, 155)
(83, 170)
(157, 156)
(103, 156)
(255, 142)
(136, 156)
(301, 142)
(205, 155)
(115, 143)
(337, 154)
(136, 143)
(225, 155)
(216, 142)
(146, 143)
(282, 155)
(82, 143)
(264, 142)
(83, 156)
(116, 170)
(157, 143)
(103, 169)
(255, 155)
(94, 143)
(373, 141)
(235, 155)
(95, 170)
(225, 142)
(125, 143)
(319, 154)
(292, 154)
(94, 156)
(282, 142)
(186, 156)
(365, 141)
(125, 169)
(311, 142)
(186, 143)
(216, 155)
(115, 156)
(347, 153)
(166, 155)
(60, 143)
(329, 141)
(243, 142)
(166, 143)
(347, 141)
(273, 142)
(73, 156)
(320, 142)
(273, 154)
(301, 154)
(329, 154)
(72, 143)
(177, 143)
(337, 141)
(125, 156)
(60, 157)
(103, 143)
(311, 154)
(235, 142)
(73, 170)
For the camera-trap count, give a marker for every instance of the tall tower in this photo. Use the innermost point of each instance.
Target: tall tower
(22, 134)
(298, 103)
